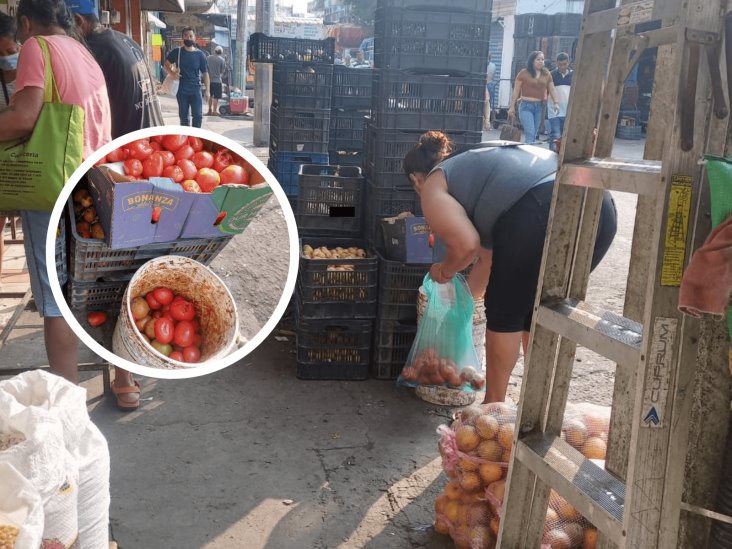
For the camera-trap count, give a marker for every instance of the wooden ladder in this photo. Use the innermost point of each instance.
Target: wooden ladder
(635, 501)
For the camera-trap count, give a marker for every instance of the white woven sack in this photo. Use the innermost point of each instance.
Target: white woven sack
(20, 507)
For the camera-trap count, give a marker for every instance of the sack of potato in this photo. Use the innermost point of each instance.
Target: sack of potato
(466, 517)
(443, 354)
(586, 427)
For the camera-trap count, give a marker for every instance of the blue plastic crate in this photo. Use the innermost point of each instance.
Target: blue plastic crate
(285, 166)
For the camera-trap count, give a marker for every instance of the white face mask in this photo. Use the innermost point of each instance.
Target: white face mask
(9, 62)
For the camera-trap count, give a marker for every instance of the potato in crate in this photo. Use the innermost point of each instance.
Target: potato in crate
(334, 349)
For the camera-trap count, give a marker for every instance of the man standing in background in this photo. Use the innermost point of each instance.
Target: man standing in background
(188, 63)
(562, 78)
(490, 73)
(131, 88)
(216, 69)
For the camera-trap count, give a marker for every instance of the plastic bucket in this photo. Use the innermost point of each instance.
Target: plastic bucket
(214, 305)
(478, 323)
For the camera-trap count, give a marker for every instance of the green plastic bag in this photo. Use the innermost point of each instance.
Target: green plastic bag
(34, 169)
(443, 353)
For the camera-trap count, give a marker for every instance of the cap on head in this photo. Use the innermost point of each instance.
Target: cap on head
(82, 7)
(218, 49)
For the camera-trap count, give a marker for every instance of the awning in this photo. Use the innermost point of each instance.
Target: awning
(155, 21)
(170, 6)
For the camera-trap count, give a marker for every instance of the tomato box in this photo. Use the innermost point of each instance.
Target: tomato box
(227, 210)
(137, 212)
(406, 239)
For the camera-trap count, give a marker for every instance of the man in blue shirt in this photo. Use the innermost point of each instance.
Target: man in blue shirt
(562, 78)
(189, 64)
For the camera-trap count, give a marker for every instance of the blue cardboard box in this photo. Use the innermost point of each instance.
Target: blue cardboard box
(406, 239)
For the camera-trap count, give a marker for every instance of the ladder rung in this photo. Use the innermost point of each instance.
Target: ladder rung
(610, 19)
(595, 493)
(608, 334)
(629, 176)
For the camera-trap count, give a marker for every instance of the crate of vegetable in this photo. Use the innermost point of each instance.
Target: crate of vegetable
(392, 342)
(333, 349)
(337, 279)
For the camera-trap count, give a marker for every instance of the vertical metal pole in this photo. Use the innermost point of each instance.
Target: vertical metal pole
(242, 8)
(263, 78)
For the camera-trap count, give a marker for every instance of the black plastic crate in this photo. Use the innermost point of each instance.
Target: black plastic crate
(438, 5)
(95, 296)
(302, 85)
(564, 24)
(298, 130)
(408, 101)
(285, 166)
(330, 200)
(347, 129)
(531, 24)
(392, 342)
(524, 45)
(453, 42)
(387, 148)
(334, 349)
(399, 289)
(351, 88)
(271, 49)
(347, 158)
(324, 292)
(554, 45)
(381, 203)
(634, 132)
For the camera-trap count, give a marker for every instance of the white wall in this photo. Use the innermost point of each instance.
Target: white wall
(549, 6)
(504, 86)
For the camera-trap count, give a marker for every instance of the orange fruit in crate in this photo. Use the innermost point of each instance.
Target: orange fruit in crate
(475, 497)
(552, 519)
(478, 513)
(503, 412)
(470, 482)
(467, 438)
(440, 503)
(480, 536)
(557, 539)
(576, 533)
(495, 525)
(461, 537)
(441, 526)
(575, 432)
(490, 472)
(452, 490)
(505, 435)
(467, 464)
(506, 456)
(498, 489)
(490, 450)
(451, 510)
(594, 448)
(590, 539)
(486, 426)
(566, 511)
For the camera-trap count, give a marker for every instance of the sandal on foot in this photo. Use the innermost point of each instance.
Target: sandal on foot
(130, 389)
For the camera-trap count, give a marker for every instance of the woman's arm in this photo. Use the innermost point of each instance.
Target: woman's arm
(480, 273)
(516, 94)
(20, 118)
(450, 223)
(553, 93)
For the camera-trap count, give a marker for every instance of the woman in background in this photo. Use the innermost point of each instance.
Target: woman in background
(530, 90)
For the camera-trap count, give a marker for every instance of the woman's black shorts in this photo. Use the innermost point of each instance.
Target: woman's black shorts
(518, 244)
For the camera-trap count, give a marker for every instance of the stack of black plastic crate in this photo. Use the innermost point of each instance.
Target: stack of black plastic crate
(430, 62)
(301, 102)
(550, 34)
(351, 100)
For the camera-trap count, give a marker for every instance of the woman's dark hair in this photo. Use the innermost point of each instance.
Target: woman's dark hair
(433, 147)
(7, 26)
(530, 62)
(46, 13)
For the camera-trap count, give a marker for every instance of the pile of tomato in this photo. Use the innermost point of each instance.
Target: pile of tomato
(183, 159)
(168, 323)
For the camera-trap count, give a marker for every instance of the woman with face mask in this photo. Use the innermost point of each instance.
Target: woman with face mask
(8, 64)
(79, 81)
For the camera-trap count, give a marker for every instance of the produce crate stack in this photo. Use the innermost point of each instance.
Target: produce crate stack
(550, 34)
(351, 107)
(430, 62)
(301, 102)
(335, 306)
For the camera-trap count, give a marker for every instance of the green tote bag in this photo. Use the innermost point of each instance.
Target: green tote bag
(34, 168)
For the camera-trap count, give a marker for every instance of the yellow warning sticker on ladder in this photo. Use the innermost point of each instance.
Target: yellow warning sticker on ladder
(677, 226)
(658, 366)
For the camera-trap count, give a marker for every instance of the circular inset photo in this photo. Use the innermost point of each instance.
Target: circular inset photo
(172, 252)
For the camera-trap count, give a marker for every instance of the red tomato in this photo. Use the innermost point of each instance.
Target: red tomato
(133, 167)
(196, 143)
(197, 340)
(183, 334)
(140, 149)
(97, 318)
(156, 211)
(179, 298)
(176, 355)
(102, 160)
(189, 168)
(118, 155)
(157, 314)
(222, 159)
(191, 354)
(164, 296)
(174, 142)
(190, 186)
(168, 158)
(203, 159)
(155, 146)
(164, 330)
(152, 166)
(208, 179)
(234, 174)
(182, 310)
(185, 152)
(174, 173)
(166, 314)
(153, 303)
(157, 138)
(196, 326)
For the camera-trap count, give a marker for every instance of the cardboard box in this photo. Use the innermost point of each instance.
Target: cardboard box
(125, 208)
(406, 239)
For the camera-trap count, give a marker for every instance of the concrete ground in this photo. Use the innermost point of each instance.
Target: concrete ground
(251, 457)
